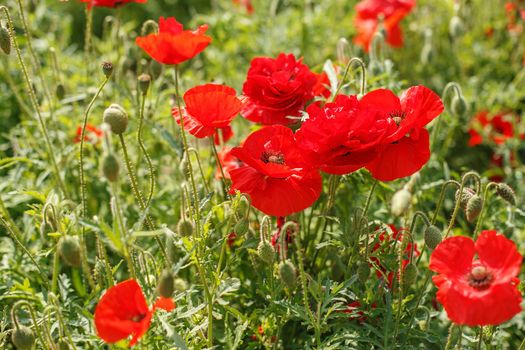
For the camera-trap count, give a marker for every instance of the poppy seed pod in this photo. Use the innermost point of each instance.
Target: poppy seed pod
(287, 273)
(459, 105)
(474, 205)
(166, 285)
(23, 338)
(507, 193)
(363, 271)
(432, 237)
(110, 167)
(265, 252)
(465, 196)
(69, 250)
(241, 227)
(5, 40)
(107, 69)
(401, 202)
(117, 118)
(144, 83)
(60, 91)
(185, 228)
(455, 27)
(410, 273)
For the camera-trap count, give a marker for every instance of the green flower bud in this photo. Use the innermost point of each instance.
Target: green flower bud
(459, 105)
(455, 27)
(241, 227)
(166, 285)
(401, 202)
(23, 338)
(110, 167)
(375, 68)
(69, 250)
(427, 54)
(60, 91)
(363, 271)
(465, 196)
(107, 69)
(474, 205)
(287, 273)
(180, 285)
(144, 83)
(185, 228)
(265, 252)
(507, 193)
(432, 237)
(5, 40)
(117, 118)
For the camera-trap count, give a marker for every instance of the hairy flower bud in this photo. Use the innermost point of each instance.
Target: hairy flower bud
(23, 338)
(180, 285)
(60, 91)
(107, 69)
(474, 205)
(166, 284)
(144, 83)
(5, 40)
(459, 105)
(185, 228)
(287, 273)
(110, 167)
(507, 193)
(401, 202)
(117, 118)
(432, 237)
(455, 27)
(265, 252)
(465, 196)
(363, 271)
(241, 227)
(69, 250)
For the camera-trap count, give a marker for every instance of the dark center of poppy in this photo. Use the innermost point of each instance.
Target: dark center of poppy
(138, 318)
(479, 277)
(272, 157)
(397, 116)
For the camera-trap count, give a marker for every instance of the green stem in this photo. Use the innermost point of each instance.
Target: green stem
(87, 38)
(33, 318)
(480, 340)
(479, 222)
(151, 169)
(56, 267)
(219, 165)
(124, 231)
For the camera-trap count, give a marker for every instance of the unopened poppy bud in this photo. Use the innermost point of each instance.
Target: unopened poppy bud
(287, 273)
(427, 54)
(343, 49)
(69, 250)
(423, 325)
(401, 201)
(166, 285)
(265, 252)
(375, 68)
(107, 69)
(410, 274)
(459, 105)
(144, 83)
(183, 166)
(507, 193)
(110, 167)
(432, 237)
(60, 91)
(455, 27)
(465, 196)
(5, 40)
(117, 118)
(23, 338)
(241, 227)
(474, 205)
(63, 345)
(180, 285)
(185, 228)
(363, 271)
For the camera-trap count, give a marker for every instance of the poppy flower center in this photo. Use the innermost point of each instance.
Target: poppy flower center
(138, 318)
(272, 157)
(479, 277)
(397, 116)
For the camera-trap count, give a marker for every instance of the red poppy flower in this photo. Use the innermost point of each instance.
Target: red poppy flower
(387, 245)
(368, 17)
(275, 175)
(340, 137)
(209, 107)
(277, 89)
(498, 128)
(482, 291)
(230, 240)
(122, 311)
(247, 4)
(110, 3)
(92, 134)
(406, 145)
(355, 309)
(173, 45)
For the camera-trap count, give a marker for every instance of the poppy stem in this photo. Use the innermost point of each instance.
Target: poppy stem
(32, 312)
(458, 202)
(87, 38)
(442, 197)
(479, 222)
(345, 74)
(219, 165)
(151, 169)
(480, 339)
(117, 213)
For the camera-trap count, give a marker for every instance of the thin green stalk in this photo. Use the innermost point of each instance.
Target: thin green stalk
(36, 106)
(7, 217)
(123, 230)
(219, 165)
(56, 269)
(479, 222)
(480, 339)
(151, 169)
(87, 38)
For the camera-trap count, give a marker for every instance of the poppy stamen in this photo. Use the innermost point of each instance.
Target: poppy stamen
(138, 318)
(272, 157)
(479, 277)
(397, 116)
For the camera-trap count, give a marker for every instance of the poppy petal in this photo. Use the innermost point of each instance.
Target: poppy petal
(453, 257)
(499, 254)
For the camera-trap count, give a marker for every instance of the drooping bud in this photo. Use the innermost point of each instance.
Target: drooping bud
(465, 196)
(117, 118)
(401, 202)
(455, 27)
(507, 193)
(265, 252)
(343, 49)
(69, 250)
(185, 228)
(23, 338)
(5, 40)
(110, 167)
(180, 285)
(474, 205)
(287, 273)
(432, 237)
(410, 273)
(144, 83)
(363, 271)
(107, 69)
(241, 227)
(60, 91)
(166, 285)
(459, 105)
(375, 68)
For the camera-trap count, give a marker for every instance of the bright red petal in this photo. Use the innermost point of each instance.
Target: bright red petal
(166, 304)
(499, 254)
(453, 257)
(382, 100)
(420, 106)
(192, 125)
